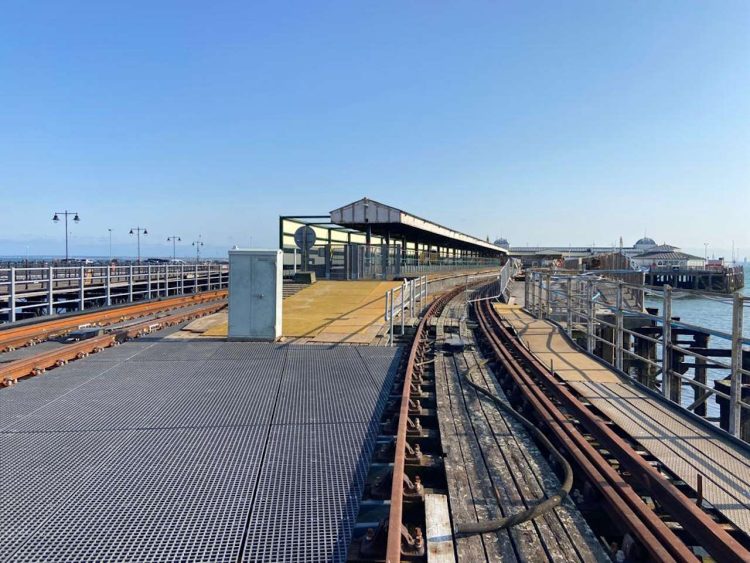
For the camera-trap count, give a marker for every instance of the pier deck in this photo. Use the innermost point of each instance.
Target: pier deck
(494, 469)
(687, 446)
(191, 450)
(331, 312)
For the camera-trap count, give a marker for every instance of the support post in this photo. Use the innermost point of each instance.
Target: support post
(526, 283)
(548, 305)
(50, 291)
(403, 304)
(12, 301)
(148, 281)
(735, 383)
(590, 316)
(390, 333)
(195, 279)
(412, 298)
(569, 296)
(130, 284)
(108, 289)
(538, 301)
(82, 289)
(666, 343)
(208, 276)
(618, 329)
(182, 279)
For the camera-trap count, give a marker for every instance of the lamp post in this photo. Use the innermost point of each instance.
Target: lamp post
(197, 244)
(705, 254)
(138, 231)
(174, 239)
(110, 245)
(56, 219)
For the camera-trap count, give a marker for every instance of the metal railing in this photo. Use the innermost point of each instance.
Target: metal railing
(411, 295)
(610, 314)
(45, 290)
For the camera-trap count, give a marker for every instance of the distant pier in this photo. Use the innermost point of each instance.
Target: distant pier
(725, 280)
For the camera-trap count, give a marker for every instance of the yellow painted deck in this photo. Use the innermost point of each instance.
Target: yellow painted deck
(330, 311)
(681, 443)
(337, 311)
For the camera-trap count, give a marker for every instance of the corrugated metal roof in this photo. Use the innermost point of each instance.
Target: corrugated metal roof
(666, 256)
(370, 212)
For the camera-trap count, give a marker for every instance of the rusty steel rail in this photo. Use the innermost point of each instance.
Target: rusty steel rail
(17, 336)
(38, 364)
(623, 502)
(395, 516)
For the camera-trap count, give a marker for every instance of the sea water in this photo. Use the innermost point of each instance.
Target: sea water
(713, 313)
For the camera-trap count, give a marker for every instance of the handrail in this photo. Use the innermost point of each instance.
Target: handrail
(45, 289)
(573, 300)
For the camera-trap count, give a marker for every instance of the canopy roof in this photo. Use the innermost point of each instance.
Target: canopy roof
(387, 221)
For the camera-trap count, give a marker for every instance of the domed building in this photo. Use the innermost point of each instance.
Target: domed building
(503, 243)
(645, 244)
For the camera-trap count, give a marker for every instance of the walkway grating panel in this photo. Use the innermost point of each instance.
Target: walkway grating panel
(310, 488)
(136, 454)
(166, 495)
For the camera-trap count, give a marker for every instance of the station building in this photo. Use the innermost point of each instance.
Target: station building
(367, 239)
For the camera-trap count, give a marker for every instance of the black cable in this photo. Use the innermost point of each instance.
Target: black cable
(468, 528)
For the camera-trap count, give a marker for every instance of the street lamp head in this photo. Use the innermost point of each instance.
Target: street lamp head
(131, 231)
(76, 218)
(179, 239)
(56, 219)
(145, 232)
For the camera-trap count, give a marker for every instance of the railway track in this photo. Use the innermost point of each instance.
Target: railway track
(179, 310)
(655, 518)
(666, 530)
(28, 334)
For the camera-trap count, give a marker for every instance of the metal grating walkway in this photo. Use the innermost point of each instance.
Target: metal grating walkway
(211, 451)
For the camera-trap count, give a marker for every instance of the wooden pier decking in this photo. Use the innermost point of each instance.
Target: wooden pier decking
(687, 446)
(494, 469)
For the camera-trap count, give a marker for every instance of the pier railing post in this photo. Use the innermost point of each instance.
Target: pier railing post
(148, 280)
(590, 316)
(526, 301)
(569, 296)
(618, 328)
(108, 289)
(666, 343)
(130, 284)
(12, 290)
(403, 303)
(82, 288)
(390, 332)
(735, 382)
(51, 291)
(182, 279)
(538, 300)
(412, 298)
(548, 304)
(208, 276)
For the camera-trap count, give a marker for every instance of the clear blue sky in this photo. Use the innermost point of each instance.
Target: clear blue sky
(545, 122)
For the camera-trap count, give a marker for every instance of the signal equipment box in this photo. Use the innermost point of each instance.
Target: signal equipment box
(255, 294)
